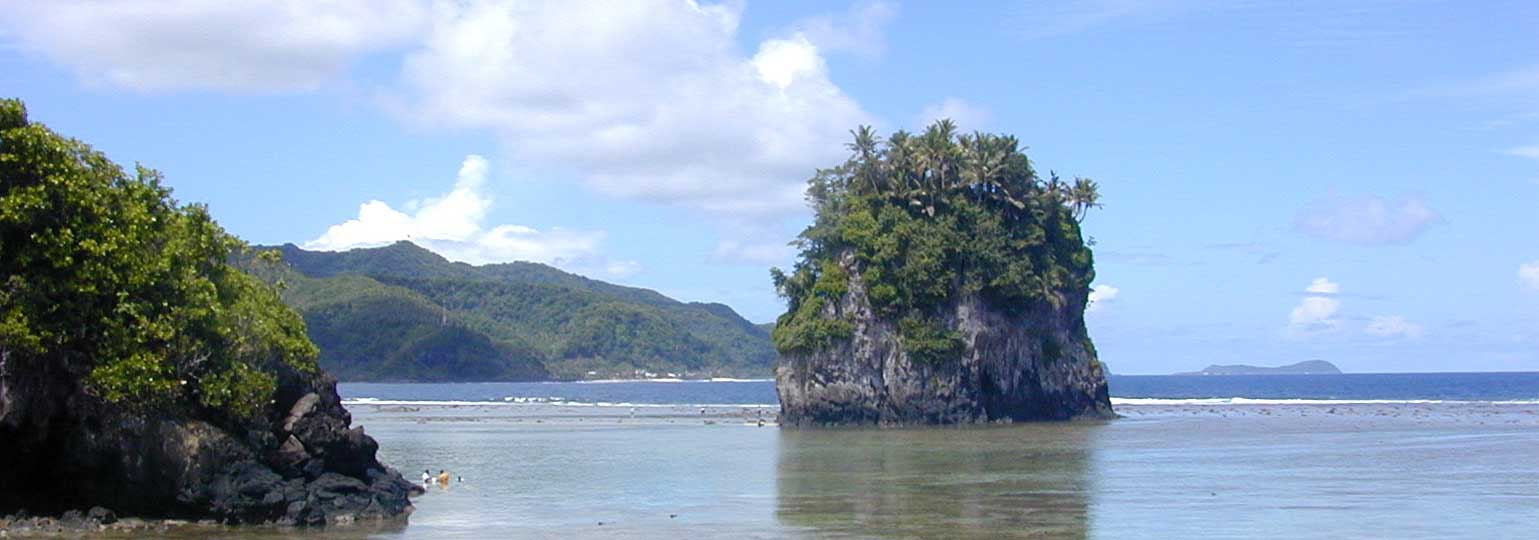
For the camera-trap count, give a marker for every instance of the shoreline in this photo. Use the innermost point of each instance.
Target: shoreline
(533, 415)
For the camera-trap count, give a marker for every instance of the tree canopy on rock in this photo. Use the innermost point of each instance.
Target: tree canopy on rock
(927, 219)
(107, 277)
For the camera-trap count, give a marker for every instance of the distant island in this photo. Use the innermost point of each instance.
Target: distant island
(1310, 367)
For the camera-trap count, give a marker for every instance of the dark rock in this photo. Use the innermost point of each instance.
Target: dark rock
(290, 457)
(331, 485)
(1031, 363)
(300, 409)
(102, 515)
(62, 448)
(72, 519)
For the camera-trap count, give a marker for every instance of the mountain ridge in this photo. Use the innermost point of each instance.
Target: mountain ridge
(530, 321)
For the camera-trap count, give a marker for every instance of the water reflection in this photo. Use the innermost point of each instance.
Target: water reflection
(1022, 481)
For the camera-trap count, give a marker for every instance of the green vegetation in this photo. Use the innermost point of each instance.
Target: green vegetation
(926, 219)
(106, 275)
(370, 331)
(377, 314)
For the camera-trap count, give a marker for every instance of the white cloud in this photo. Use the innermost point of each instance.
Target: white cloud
(1323, 286)
(1316, 313)
(967, 116)
(453, 226)
(242, 45)
(860, 30)
(1366, 220)
(1391, 326)
(1530, 151)
(1101, 295)
(647, 100)
(1528, 274)
(1041, 20)
(769, 252)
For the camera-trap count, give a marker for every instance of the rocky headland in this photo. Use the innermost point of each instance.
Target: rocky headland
(942, 282)
(143, 376)
(64, 450)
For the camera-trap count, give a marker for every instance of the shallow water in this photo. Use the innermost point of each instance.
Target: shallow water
(1171, 471)
(1167, 469)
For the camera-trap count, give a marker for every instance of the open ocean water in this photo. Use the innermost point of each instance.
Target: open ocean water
(1342, 456)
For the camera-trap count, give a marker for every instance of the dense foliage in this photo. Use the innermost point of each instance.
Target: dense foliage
(926, 219)
(370, 331)
(535, 318)
(106, 275)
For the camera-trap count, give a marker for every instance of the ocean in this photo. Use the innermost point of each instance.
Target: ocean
(1426, 456)
(1125, 390)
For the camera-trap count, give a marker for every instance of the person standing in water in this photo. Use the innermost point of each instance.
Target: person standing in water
(443, 478)
(427, 477)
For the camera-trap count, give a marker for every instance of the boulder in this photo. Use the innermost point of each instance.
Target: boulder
(63, 449)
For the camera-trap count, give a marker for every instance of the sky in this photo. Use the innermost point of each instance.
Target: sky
(1351, 181)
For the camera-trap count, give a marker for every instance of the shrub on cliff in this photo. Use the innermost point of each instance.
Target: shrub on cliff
(928, 218)
(106, 275)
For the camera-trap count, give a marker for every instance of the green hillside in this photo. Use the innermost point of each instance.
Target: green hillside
(401, 312)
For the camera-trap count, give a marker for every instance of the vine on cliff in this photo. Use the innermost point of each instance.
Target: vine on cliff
(926, 219)
(105, 274)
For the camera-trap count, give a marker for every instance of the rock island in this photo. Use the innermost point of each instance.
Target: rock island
(941, 282)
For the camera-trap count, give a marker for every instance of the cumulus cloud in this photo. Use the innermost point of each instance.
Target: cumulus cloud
(1316, 313)
(647, 100)
(1101, 295)
(1323, 286)
(242, 45)
(1528, 274)
(1393, 326)
(453, 226)
(1366, 220)
(967, 115)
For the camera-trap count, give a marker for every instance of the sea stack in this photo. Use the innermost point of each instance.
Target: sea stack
(942, 282)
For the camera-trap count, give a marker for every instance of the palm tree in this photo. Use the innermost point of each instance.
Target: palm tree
(864, 148)
(1085, 195)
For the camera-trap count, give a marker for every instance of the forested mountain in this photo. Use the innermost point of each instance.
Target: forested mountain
(401, 312)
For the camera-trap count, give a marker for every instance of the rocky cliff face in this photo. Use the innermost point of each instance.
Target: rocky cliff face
(63, 449)
(1036, 365)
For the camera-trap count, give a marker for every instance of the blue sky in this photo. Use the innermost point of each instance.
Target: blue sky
(1349, 181)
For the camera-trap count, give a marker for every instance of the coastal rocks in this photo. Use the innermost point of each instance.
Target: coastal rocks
(61, 449)
(1036, 364)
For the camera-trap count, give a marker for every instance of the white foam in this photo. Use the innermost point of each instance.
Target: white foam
(1277, 402)
(668, 380)
(377, 401)
(551, 402)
